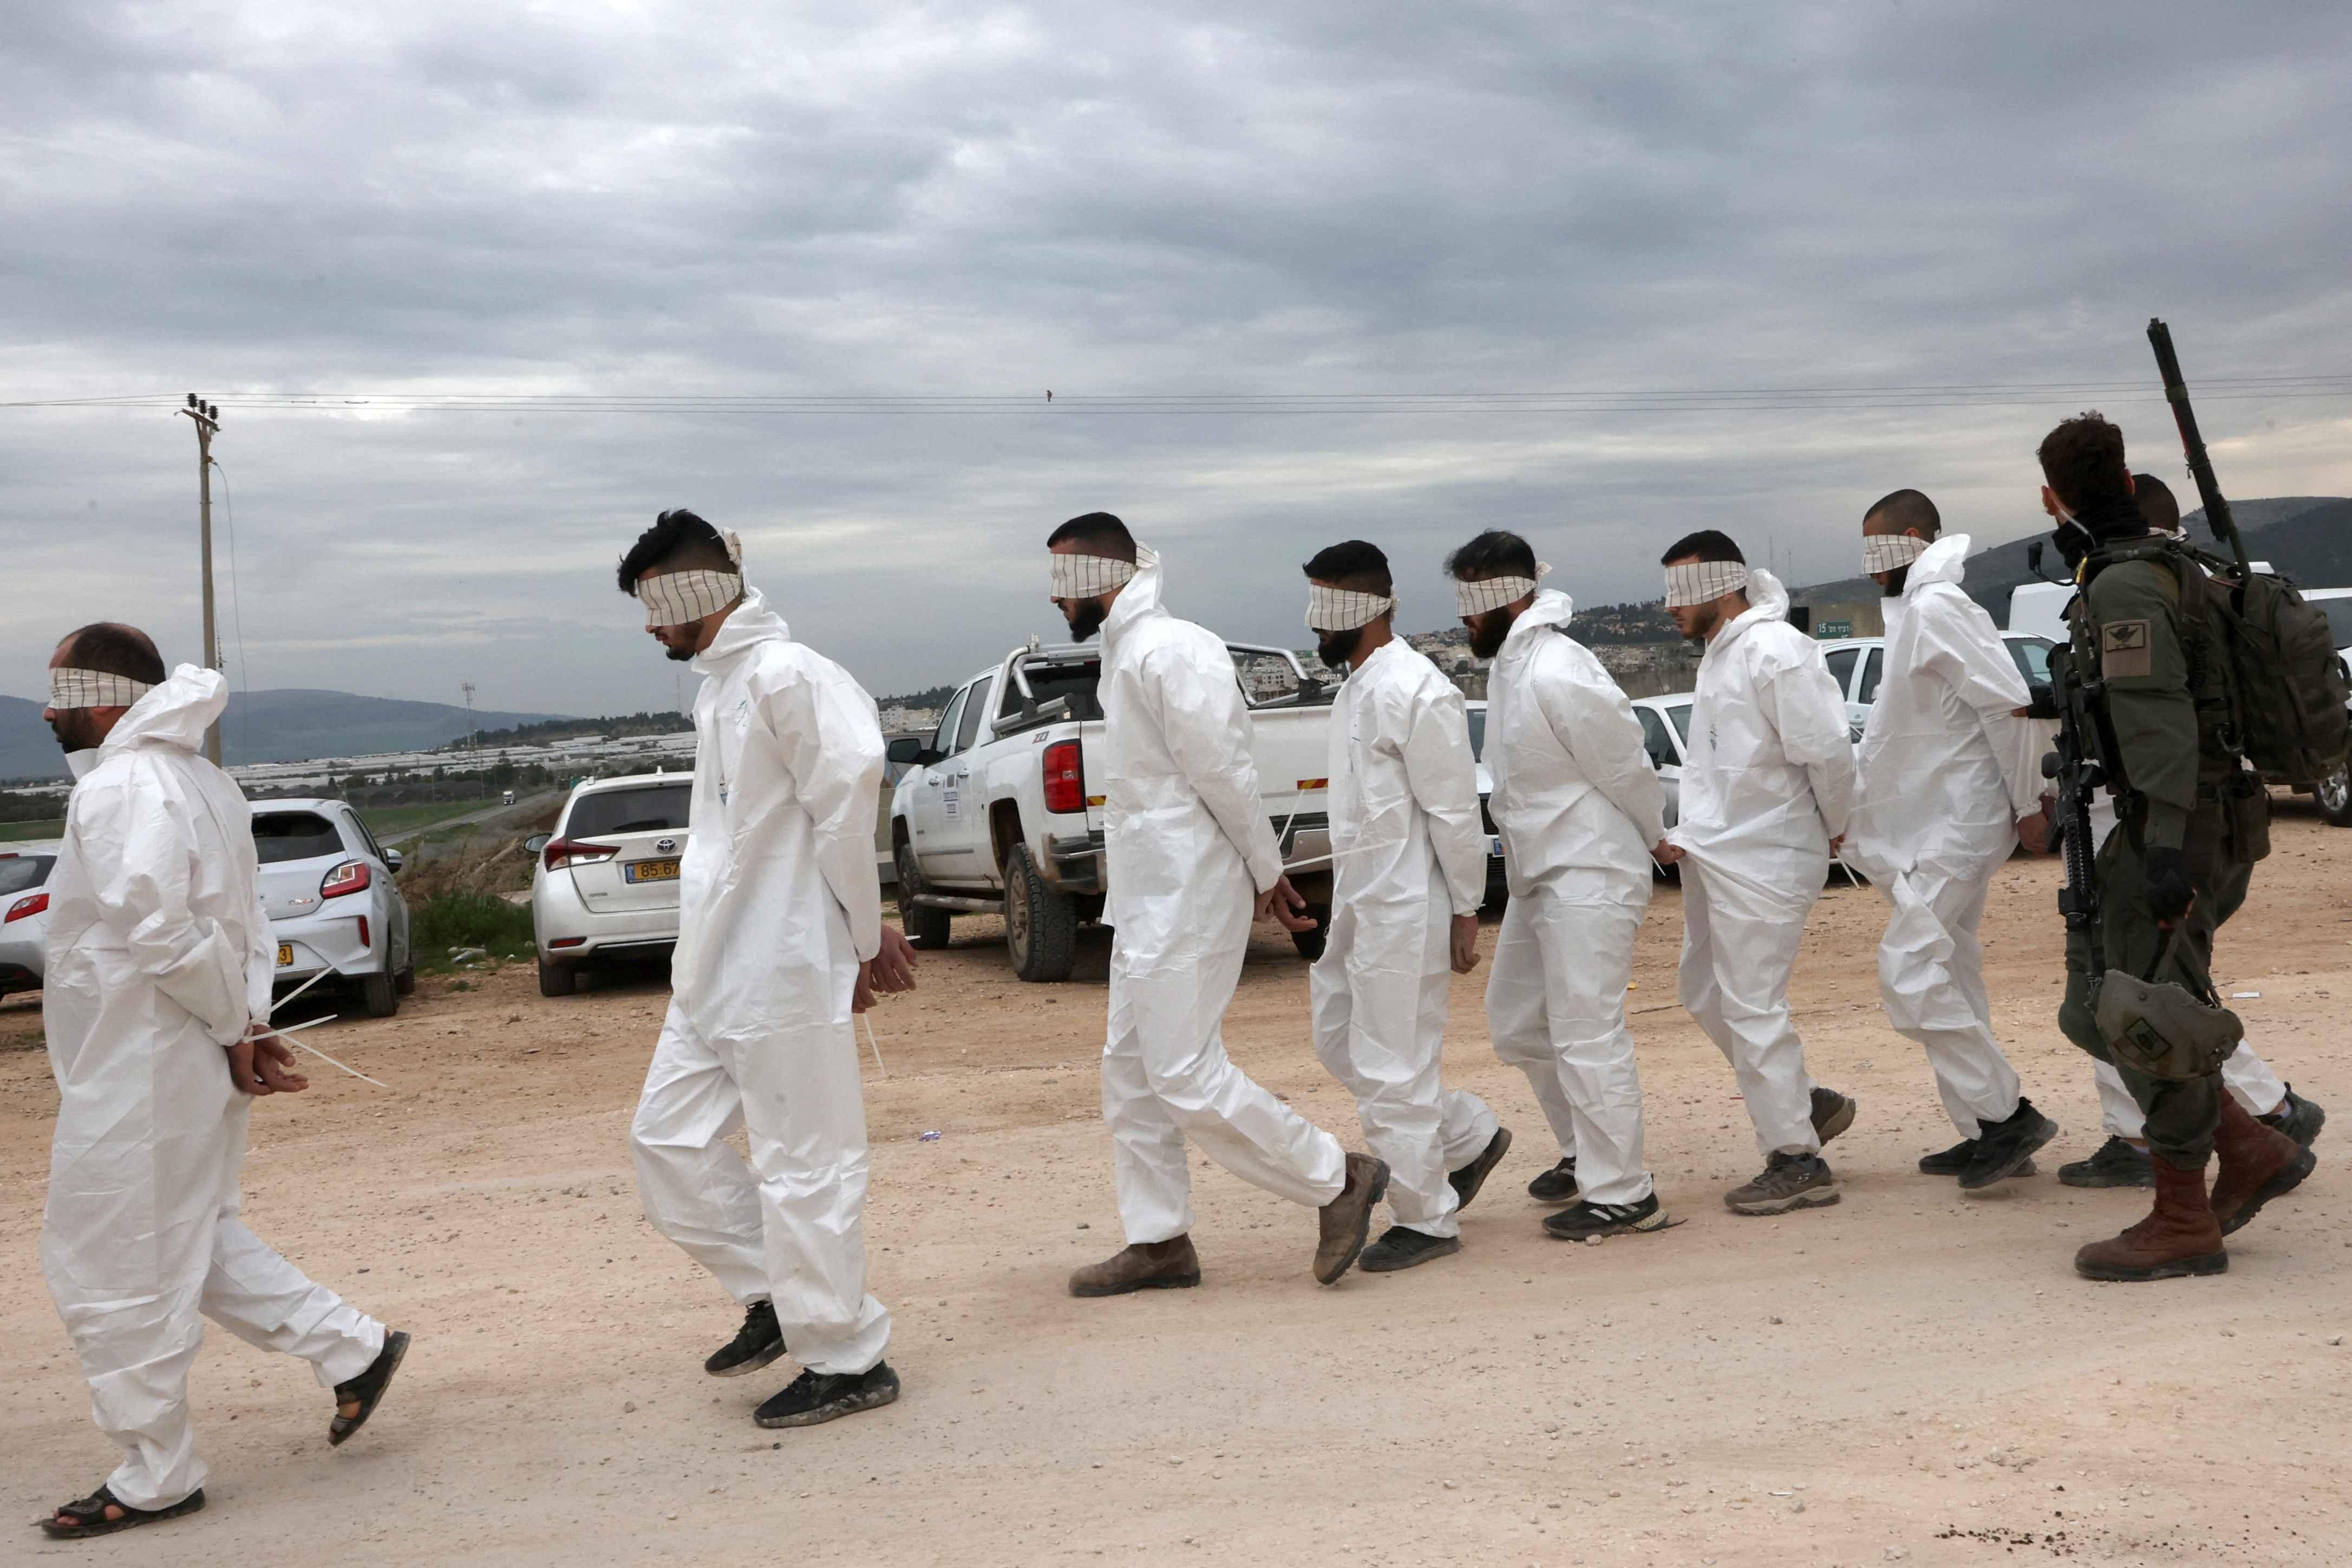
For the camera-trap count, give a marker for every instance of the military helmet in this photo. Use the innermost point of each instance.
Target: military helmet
(2165, 1030)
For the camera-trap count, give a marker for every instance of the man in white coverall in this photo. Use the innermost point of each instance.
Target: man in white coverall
(1191, 860)
(2123, 1159)
(155, 1001)
(1408, 872)
(1581, 811)
(1952, 779)
(1765, 791)
(780, 944)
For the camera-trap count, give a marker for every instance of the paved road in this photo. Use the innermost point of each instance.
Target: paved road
(523, 806)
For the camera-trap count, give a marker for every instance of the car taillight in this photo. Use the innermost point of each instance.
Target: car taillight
(31, 904)
(351, 877)
(563, 852)
(1066, 777)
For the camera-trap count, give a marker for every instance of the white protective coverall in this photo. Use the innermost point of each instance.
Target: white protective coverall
(1948, 768)
(1579, 807)
(1407, 857)
(1766, 784)
(778, 904)
(1188, 848)
(2245, 1075)
(158, 955)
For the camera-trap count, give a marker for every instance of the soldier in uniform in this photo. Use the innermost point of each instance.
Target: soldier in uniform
(2190, 825)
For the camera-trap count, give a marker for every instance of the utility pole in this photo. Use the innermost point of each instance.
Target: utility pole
(205, 417)
(473, 734)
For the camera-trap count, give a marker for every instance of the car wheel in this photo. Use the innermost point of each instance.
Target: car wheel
(1310, 944)
(925, 928)
(406, 981)
(2334, 793)
(1041, 923)
(380, 994)
(558, 977)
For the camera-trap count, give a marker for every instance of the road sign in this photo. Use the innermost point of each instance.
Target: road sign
(1827, 629)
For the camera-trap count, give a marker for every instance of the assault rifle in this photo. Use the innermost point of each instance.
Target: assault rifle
(2075, 768)
(2218, 516)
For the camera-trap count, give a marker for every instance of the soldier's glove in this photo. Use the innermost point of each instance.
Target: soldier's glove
(2168, 892)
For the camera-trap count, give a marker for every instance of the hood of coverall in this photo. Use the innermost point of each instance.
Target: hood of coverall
(1138, 601)
(749, 622)
(1551, 608)
(176, 713)
(1767, 601)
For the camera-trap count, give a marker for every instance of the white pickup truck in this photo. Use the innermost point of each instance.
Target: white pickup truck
(993, 814)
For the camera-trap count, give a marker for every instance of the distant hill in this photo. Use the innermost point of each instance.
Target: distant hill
(284, 726)
(2309, 537)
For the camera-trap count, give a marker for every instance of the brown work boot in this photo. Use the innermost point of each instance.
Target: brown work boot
(2180, 1237)
(1169, 1264)
(2258, 1163)
(1347, 1218)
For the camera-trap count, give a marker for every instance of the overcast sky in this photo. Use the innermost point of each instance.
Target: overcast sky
(1360, 198)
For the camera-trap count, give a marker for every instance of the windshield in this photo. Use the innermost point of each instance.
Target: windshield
(23, 873)
(281, 836)
(2339, 619)
(2032, 656)
(1478, 734)
(646, 808)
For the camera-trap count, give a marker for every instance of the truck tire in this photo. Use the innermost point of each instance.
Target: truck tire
(2334, 794)
(1310, 944)
(925, 928)
(380, 994)
(558, 977)
(1041, 923)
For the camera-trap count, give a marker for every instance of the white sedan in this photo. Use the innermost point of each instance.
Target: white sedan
(328, 888)
(23, 912)
(606, 882)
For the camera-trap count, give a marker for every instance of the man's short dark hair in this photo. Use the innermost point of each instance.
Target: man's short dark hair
(2157, 502)
(1906, 510)
(1497, 552)
(1100, 532)
(679, 541)
(2083, 460)
(112, 648)
(1353, 563)
(1706, 545)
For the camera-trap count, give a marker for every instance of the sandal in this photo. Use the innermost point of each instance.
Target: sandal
(89, 1515)
(366, 1389)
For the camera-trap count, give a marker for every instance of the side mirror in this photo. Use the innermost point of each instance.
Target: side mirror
(908, 751)
(391, 861)
(535, 843)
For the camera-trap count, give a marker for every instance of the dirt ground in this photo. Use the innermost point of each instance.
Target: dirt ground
(1912, 1375)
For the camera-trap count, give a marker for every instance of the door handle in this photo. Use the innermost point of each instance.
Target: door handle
(931, 779)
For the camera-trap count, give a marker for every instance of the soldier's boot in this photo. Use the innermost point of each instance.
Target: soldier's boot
(1169, 1264)
(2178, 1237)
(2258, 1163)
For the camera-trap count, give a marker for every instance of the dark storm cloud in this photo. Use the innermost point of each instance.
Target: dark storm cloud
(741, 198)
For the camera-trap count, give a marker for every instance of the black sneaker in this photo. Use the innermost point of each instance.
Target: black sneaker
(814, 1398)
(1466, 1180)
(1788, 1182)
(1401, 1248)
(1951, 1162)
(1583, 1221)
(2115, 1164)
(2298, 1118)
(1833, 1113)
(1557, 1185)
(757, 1344)
(2005, 1147)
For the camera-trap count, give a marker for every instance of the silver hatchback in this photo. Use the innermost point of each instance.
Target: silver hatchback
(326, 887)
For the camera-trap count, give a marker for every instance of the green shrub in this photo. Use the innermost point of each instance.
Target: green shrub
(458, 919)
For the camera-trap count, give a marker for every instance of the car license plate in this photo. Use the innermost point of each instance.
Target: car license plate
(285, 955)
(650, 871)
(1494, 846)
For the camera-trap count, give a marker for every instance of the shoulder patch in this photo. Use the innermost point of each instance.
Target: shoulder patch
(2125, 650)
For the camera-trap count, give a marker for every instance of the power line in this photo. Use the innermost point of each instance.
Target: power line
(1753, 399)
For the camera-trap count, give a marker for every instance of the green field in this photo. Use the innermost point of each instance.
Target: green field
(54, 827)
